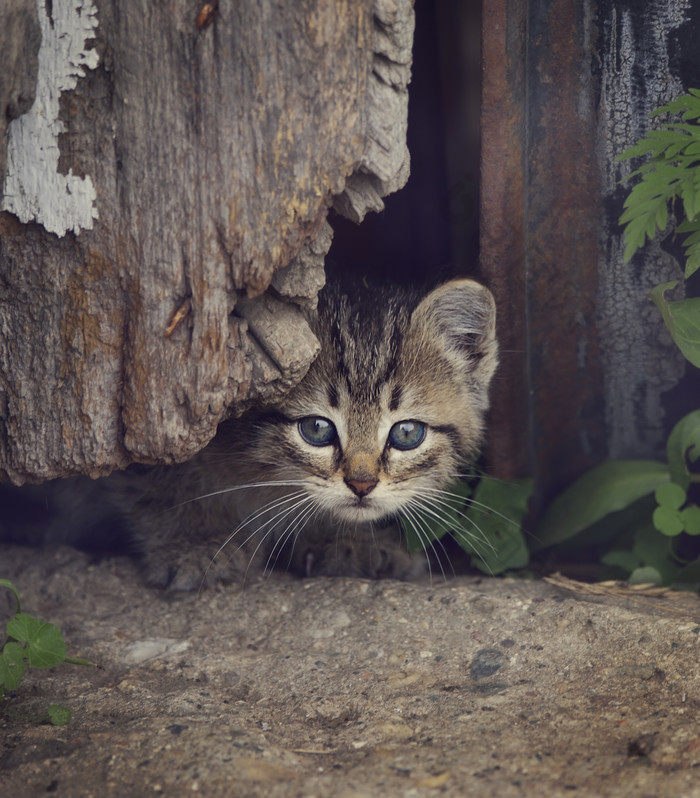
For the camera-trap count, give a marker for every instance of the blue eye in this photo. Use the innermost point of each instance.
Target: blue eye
(407, 434)
(317, 431)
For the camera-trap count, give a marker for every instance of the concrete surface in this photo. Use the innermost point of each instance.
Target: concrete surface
(475, 687)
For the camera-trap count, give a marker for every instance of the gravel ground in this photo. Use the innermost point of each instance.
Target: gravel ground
(349, 688)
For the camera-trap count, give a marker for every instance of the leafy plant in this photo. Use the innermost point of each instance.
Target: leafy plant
(668, 190)
(611, 507)
(485, 520)
(603, 490)
(37, 643)
(682, 319)
(671, 173)
(619, 508)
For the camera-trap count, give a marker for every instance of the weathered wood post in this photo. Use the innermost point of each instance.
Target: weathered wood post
(166, 174)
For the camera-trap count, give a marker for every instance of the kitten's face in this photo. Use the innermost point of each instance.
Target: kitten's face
(393, 404)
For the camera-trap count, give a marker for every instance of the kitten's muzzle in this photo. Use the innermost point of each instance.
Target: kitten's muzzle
(361, 473)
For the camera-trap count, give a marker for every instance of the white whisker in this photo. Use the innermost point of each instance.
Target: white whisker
(278, 519)
(420, 507)
(409, 512)
(476, 542)
(296, 498)
(292, 532)
(407, 515)
(469, 500)
(317, 510)
(274, 484)
(459, 532)
(275, 504)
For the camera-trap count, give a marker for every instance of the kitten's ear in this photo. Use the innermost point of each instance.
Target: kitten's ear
(462, 314)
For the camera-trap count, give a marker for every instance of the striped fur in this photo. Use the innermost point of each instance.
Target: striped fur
(386, 357)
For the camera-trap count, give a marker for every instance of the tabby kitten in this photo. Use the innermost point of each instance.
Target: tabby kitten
(381, 423)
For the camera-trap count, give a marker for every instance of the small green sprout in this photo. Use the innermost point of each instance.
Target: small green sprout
(31, 642)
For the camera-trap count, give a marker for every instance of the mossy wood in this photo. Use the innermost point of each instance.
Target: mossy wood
(166, 176)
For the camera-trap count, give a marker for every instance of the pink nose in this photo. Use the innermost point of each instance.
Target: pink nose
(360, 488)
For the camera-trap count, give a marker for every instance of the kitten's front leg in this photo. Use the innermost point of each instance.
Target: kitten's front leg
(362, 552)
(180, 562)
(185, 537)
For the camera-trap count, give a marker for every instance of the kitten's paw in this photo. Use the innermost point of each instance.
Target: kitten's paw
(190, 570)
(363, 558)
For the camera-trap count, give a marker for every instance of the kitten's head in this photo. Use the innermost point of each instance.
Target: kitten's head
(395, 401)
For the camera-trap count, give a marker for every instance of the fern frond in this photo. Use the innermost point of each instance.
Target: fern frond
(691, 244)
(671, 171)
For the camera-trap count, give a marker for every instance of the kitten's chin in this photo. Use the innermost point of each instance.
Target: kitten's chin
(357, 513)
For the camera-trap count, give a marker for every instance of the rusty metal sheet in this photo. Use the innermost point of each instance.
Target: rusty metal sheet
(540, 205)
(567, 86)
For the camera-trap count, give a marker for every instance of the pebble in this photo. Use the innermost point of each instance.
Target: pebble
(486, 662)
(143, 650)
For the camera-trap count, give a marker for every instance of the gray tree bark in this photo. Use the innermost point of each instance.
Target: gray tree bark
(166, 175)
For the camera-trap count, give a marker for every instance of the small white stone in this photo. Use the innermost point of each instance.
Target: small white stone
(143, 650)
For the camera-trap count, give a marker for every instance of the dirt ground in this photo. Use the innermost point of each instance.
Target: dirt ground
(349, 688)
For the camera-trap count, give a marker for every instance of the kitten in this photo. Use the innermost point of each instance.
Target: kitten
(384, 418)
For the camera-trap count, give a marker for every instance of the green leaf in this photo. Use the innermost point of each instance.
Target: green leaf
(682, 319)
(691, 243)
(677, 147)
(688, 197)
(45, 645)
(655, 550)
(80, 661)
(667, 521)
(6, 583)
(640, 220)
(661, 219)
(638, 150)
(617, 529)
(693, 231)
(691, 520)
(626, 560)
(667, 518)
(11, 665)
(692, 263)
(631, 247)
(686, 328)
(683, 445)
(602, 490)
(497, 511)
(59, 715)
(417, 536)
(645, 575)
(670, 495)
(657, 296)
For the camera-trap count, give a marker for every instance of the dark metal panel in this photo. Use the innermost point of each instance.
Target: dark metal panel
(566, 88)
(503, 228)
(561, 244)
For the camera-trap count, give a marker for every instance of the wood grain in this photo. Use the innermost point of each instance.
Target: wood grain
(216, 151)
